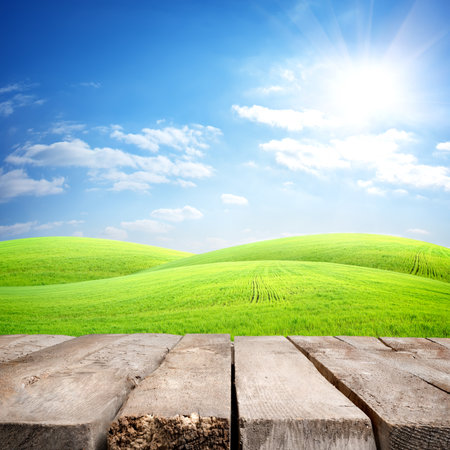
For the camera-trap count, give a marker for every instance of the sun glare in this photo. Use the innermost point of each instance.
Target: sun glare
(366, 91)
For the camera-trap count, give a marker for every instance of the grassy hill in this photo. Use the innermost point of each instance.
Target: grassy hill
(368, 250)
(53, 260)
(263, 289)
(256, 297)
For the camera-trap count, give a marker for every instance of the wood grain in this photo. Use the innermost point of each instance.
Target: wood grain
(406, 411)
(421, 357)
(285, 403)
(441, 341)
(66, 396)
(14, 346)
(185, 403)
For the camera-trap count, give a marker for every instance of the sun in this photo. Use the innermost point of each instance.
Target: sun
(367, 91)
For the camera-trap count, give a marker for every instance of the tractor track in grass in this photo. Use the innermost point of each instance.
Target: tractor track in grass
(255, 291)
(262, 291)
(416, 265)
(422, 267)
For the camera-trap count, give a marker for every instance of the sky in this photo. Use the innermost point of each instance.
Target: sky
(197, 125)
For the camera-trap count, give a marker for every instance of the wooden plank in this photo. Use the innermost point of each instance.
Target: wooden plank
(368, 343)
(406, 412)
(185, 403)
(427, 360)
(441, 341)
(285, 403)
(66, 396)
(418, 346)
(14, 346)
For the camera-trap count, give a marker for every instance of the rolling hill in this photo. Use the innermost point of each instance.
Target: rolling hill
(54, 260)
(367, 250)
(262, 288)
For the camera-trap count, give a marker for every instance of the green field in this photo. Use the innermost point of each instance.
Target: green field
(37, 261)
(310, 285)
(368, 250)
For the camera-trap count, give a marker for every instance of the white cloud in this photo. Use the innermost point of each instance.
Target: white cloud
(369, 187)
(105, 164)
(19, 100)
(48, 226)
(283, 118)
(230, 199)
(56, 224)
(177, 214)
(418, 231)
(75, 222)
(287, 74)
(189, 139)
(130, 185)
(73, 153)
(17, 228)
(11, 88)
(146, 226)
(185, 183)
(267, 90)
(190, 169)
(16, 87)
(78, 234)
(139, 140)
(67, 127)
(116, 234)
(6, 108)
(21, 228)
(139, 181)
(416, 175)
(17, 183)
(444, 146)
(374, 190)
(380, 153)
(307, 156)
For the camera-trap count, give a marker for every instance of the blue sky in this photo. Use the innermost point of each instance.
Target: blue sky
(196, 125)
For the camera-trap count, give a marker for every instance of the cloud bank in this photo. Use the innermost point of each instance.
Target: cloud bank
(116, 168)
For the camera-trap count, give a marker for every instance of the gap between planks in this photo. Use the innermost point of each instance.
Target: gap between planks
(383, 345)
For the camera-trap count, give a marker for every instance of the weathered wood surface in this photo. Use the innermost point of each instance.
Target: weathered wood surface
(406, 411)
(421, 357)
(185, 403)
(419, 346)
(14, 346)
(66, 396)
(442, 341)
(285, 403)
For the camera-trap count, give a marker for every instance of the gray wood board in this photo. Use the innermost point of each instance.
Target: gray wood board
(418, 356)
(441, 341)
(66, 396)
(418, 346)
(14, 346)
(406, 412)
(185, 403)
(285, 403)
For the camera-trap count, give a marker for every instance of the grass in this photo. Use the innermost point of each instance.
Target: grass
(41, 261)
(368, 250)
(244, 297)
(309, 285)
